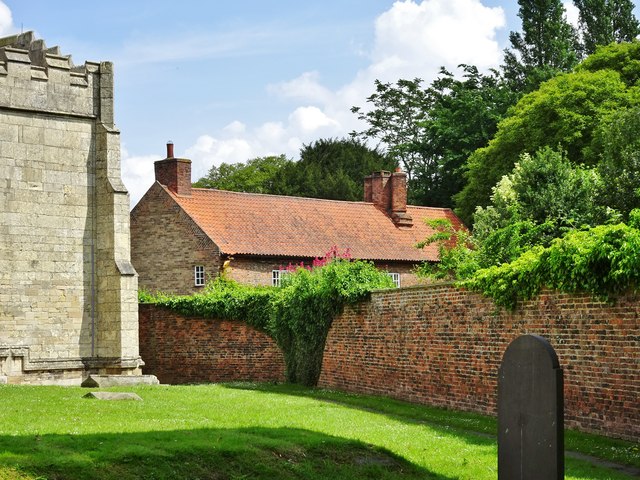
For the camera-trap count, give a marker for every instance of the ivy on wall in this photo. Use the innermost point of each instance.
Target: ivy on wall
(602, 260)
(296, 315)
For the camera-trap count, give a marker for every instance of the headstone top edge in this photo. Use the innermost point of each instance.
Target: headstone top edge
(529, 340)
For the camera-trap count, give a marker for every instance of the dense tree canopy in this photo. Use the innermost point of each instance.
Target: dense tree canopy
(564, 112)
(334, 169)
(430, 131)
(258, 175)
(543, 198)
(547, 45)
(328, 168)
(619, 143)
(606, 21)
(397, 121)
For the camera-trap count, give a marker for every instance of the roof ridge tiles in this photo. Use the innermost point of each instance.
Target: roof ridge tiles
(218, 190)
(294, 197)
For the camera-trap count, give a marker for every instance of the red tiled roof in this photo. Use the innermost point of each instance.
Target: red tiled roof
(274, 225)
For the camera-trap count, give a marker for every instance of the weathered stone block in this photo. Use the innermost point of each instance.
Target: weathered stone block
(106, 381)
(113, 396)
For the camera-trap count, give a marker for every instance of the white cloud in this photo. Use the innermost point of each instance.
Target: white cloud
(311, 120)
(422, 36)
(6, 21)
(209, 151)
(573, 14)
(306, 87)
(235, 128)
(137, 173)
(271, 133)
(411, 39)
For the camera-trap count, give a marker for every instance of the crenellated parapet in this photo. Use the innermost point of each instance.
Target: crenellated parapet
(36, 78)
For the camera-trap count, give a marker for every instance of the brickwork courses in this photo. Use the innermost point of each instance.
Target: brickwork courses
(442, 346)
(166, 245)
(434, 345)
(68, 292)
(196, 350)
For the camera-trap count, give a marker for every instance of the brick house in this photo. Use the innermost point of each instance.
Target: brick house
(180, 235)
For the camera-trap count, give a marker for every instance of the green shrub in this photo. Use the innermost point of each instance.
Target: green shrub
(306, 305)
(296, 315)
(603, 261)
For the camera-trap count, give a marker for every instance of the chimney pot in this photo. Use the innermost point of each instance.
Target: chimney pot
(174, 173)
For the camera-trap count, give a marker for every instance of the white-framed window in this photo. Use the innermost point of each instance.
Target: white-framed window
(395, 277)
(198, 273)
(276, 277)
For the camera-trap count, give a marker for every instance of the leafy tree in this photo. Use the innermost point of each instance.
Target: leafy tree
(431, 131)
(334, 169)
(258, 175)
(328, 168)
(619, 143)
(464, 117)
(623, 58)
(605, 21)
(546, 46)
(564, 112)
(543, 198)
(456, 251)
(397, 121)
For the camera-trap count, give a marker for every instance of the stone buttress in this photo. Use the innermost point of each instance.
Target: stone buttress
(68, 292)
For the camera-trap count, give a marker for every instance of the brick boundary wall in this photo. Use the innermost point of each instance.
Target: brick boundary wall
(196, 350)
(442, 346)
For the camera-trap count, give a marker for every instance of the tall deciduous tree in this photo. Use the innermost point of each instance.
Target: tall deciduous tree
(606, 21)
(397, 121)
(430, 131)
(463, 118)
(547, 45)
(619, 143)
(565, 111)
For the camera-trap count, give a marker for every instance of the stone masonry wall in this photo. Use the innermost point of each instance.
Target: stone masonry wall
(194, 350)
(67, 289)
(166, 245)
(442, 346)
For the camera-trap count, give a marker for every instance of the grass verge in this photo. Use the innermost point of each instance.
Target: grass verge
(244, 431)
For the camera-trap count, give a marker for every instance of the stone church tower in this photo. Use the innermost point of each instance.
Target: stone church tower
(68, 292)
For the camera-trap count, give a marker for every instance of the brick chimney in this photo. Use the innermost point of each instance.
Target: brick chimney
(388, 192)
(174, 173)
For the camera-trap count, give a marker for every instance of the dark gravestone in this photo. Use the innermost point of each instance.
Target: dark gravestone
(530, 412)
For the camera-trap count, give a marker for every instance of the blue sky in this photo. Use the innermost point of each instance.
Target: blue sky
(229, 81)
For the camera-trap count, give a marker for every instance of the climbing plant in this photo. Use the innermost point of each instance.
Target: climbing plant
(297, 315)
(602, 260)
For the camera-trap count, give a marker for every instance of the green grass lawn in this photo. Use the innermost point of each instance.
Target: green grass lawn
(248, 431)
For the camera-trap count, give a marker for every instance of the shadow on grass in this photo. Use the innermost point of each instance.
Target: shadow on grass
(474, 429)
(256, 453)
